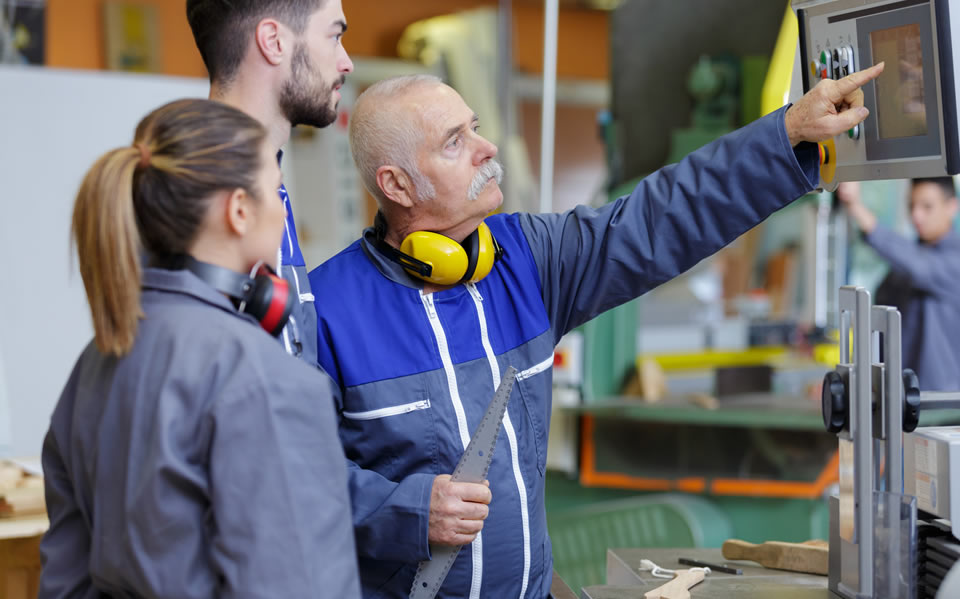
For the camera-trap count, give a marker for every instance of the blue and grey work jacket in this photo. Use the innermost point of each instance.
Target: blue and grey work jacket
(297, 337)
(414, 373)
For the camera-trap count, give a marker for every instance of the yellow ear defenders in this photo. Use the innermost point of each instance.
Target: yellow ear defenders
(437, 259)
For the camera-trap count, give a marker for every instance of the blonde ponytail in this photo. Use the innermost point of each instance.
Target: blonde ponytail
(109, 249)
(151, 199)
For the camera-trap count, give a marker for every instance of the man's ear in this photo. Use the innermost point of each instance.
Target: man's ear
(396, 185)
(270, 41)
(239, 212)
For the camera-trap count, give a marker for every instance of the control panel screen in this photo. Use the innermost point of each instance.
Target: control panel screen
(901, 108)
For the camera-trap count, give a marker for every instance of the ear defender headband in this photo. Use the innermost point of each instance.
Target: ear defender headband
(437, 259)
(264, 296)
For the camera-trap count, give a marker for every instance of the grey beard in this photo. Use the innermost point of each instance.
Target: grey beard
(490, 169)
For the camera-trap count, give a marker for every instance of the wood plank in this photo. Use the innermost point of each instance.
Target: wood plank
(810, 557)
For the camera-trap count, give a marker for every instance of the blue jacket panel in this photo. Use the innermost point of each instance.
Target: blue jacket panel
(413, 373)
(297, 337)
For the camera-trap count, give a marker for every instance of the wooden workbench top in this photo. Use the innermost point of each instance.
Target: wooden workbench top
(626, 581)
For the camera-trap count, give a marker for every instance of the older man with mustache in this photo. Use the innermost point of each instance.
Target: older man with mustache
(438, 298)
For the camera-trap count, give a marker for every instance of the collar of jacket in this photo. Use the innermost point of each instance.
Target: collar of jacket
(386, 266)
(184, 282)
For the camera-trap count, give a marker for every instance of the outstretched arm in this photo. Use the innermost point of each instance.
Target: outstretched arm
(593, 260)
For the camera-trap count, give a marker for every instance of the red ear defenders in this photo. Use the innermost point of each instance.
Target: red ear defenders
(265, 296)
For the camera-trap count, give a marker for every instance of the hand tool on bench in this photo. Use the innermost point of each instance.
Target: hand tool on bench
(679, 587)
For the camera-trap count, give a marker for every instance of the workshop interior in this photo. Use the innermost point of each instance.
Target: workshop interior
(764, 424)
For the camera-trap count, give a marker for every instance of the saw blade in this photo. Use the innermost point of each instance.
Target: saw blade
(472, 468)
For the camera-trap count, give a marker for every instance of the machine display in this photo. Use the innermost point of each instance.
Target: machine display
(912, 129)
(901, 111)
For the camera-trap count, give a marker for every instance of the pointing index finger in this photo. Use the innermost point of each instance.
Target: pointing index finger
(854, 81)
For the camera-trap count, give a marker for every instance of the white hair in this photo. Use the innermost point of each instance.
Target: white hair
(381, 135)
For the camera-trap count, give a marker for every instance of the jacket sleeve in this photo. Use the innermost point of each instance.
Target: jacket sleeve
(279, 491)
(391, 519)
(65, 548)
(930, 271)
(593, 260)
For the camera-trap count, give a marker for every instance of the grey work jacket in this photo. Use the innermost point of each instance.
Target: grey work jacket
(205, 463)
(924, 284)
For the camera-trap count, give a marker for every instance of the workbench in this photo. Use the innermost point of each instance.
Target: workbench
(20, 555)
(626, 581)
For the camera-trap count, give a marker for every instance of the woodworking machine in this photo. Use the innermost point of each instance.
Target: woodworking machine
(894, 524)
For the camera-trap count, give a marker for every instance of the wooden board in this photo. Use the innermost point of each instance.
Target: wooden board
(810, 557)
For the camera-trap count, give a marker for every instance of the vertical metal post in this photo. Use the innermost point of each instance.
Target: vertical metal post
(548, 120)
(894, 421)
(505, 72)
(856, 301)
(844, 336)
(862, 406)
(888, 319)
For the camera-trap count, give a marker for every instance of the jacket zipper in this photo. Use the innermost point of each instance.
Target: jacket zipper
(476, 547)
(391, 411)
(511, 438)
(537, 369)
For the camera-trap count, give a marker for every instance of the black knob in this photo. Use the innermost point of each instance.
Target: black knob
(911, 401)
(834, 403)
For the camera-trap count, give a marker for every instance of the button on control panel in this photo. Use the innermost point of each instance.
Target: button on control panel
(847, 61)
(825, 68)
(834, 63)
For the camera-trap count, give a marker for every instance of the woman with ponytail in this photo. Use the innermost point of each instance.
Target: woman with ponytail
(189, 455)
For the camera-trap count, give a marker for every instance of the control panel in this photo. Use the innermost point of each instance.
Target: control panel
(912, 129)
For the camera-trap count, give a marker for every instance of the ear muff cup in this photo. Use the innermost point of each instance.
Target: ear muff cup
(471, 246)
(270, 302)
(487, 251)
(449, 262)
(266, 296)
(446, 258)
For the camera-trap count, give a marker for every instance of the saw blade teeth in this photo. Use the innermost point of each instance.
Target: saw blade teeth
(431, 574)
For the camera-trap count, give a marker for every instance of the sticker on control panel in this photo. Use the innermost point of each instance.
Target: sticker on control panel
(926, 492)
(925, 456)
